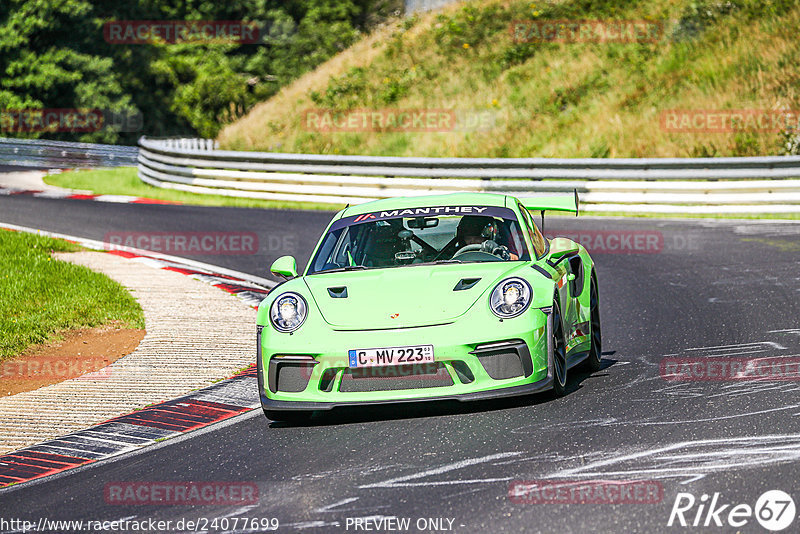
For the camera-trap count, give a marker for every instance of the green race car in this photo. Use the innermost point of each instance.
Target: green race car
(428, 298)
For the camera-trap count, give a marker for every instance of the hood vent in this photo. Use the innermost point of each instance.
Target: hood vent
(338, 292)
(466, 283)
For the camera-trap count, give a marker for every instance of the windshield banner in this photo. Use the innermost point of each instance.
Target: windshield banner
(430, 211)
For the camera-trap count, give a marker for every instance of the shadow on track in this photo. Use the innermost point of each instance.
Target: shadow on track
(414, 410)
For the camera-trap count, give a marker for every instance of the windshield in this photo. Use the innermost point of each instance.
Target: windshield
(413, 236)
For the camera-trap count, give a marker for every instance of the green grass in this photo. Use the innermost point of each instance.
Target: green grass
(124, 181)
(42, 297)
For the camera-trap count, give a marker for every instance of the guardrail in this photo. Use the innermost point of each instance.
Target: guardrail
(663, 185)
(64, 155)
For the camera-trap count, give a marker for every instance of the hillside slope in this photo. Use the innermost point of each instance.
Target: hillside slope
(553, 99)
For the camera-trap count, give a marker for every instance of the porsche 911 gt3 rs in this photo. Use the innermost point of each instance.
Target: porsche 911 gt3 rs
(428, 298)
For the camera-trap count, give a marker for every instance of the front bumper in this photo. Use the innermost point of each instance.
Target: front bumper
(515, 391)
(461, 352)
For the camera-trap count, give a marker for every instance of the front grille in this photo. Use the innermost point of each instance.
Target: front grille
(388, 378)
(290, 377)
(502, 365)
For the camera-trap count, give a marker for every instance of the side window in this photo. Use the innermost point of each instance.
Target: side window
(325, 251)
(536, 236)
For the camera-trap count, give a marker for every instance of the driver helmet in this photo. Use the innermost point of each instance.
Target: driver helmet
(476, 226)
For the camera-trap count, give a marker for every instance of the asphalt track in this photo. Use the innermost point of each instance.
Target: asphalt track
(704, 290)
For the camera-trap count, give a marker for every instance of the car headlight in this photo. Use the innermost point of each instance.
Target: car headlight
(510, 298)
(288, 312)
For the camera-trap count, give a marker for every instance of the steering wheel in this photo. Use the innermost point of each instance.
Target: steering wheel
(487, 247)
(468, 248)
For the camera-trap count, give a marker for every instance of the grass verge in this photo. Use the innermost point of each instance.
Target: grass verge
(124, 181)
(42, 297)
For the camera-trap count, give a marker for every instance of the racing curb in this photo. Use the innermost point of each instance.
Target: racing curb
(122, 434)
(223, 400)
(69, 195)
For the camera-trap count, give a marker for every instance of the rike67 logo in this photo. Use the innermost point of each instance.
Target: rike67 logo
(774, 510)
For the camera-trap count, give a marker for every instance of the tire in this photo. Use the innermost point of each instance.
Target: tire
(593, 362)
(287, 416)
(559, 353)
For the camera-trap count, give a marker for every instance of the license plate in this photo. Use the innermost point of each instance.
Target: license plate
(408, 355)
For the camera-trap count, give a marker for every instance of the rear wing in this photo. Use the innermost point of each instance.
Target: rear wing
(552, 203)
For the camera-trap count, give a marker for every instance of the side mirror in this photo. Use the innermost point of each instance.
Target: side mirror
(285, 266)
(561, 247)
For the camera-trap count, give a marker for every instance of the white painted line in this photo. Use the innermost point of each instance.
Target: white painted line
(327, 508)
(117, 199)
(730, 449)
(709, 419)
(400, 482)
(741, 345)
(311, 524)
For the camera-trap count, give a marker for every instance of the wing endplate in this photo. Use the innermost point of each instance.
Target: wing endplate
(552, 203)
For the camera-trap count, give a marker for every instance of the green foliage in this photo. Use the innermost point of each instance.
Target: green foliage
(789, 142)
(470, 27)
(517, 53)
(53, 55)
(342, 92)
(584, 98)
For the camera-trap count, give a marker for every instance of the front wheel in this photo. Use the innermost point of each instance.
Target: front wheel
(559, 353)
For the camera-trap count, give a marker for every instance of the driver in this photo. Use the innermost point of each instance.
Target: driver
(481, 230)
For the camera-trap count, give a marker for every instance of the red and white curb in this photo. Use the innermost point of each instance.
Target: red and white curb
(249, 288)
(223, 400)
(69, 195)
(126, 433)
